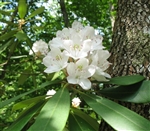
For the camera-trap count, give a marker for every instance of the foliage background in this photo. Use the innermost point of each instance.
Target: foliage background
(20, 72)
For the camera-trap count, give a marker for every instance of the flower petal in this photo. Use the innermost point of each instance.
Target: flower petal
(85, 84)
(72, 80)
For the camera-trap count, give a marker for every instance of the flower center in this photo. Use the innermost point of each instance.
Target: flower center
(79, 68)
(76, 47)
(58, 57)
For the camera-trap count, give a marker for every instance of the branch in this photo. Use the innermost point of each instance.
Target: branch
(64, 12)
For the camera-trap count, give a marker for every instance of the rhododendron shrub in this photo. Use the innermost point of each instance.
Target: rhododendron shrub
(75, 65)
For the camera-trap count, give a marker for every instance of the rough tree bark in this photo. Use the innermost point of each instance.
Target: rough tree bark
(130, 52)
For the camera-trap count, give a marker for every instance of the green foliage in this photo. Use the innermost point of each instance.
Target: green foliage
(111, 111)
(55, 111)
(84, 117)
(126, 80)
(137, 93)
(25, 116)
(77, 123)
(36, 12)
(22, 8)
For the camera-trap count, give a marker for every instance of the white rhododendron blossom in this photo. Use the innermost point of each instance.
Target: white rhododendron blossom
(55, 60)
(50, 92)
(79, 53)
(76, 102)
(40, 48)
(79, 72)
(76, 48)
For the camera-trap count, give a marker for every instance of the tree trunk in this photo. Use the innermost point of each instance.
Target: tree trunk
(130, 52)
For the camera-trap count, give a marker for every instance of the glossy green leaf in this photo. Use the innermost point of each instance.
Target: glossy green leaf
(36, 12)
(76, 123)
(24, 76)
(137, 93)
(21, 36)
(25, 116)
(91, 121)
(126, 80)
(110, 111)
(8, 35)
(4, 103)
(142, 95)
(54, 114)
(27, 103)
(120, 92)
(22, 8)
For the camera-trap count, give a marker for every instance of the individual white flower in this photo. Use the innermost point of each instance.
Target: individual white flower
(99, 61)
(56, 43)
(55, 60)
(87, 32)
(50, 92)
(76, 48)
(97, 43)
(79, 72)
(64, 34)
(101, 76)
(76, 102)
(40, 48)
(77, 26)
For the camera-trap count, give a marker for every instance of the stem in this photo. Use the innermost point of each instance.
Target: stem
(77, 91)
(64, 12)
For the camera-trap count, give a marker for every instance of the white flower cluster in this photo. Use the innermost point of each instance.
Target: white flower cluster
(78, 52)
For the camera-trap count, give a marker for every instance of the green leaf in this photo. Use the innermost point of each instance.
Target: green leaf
(91, 121)
(27, 103)
(29, 42)
(120, 92)
(18, 57)
(76, 123)
(8, 35)
(54, 114)
(22, 8)
(21, 36)
(3, 47)
(137, 93)
(5, 12)
(25, 116)
(24, 76)
(10, 23)
(142, 95)
(4, 3)
(111, 111)
(13, 46)
(4, 103)
(36, 12)
(126, 80)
